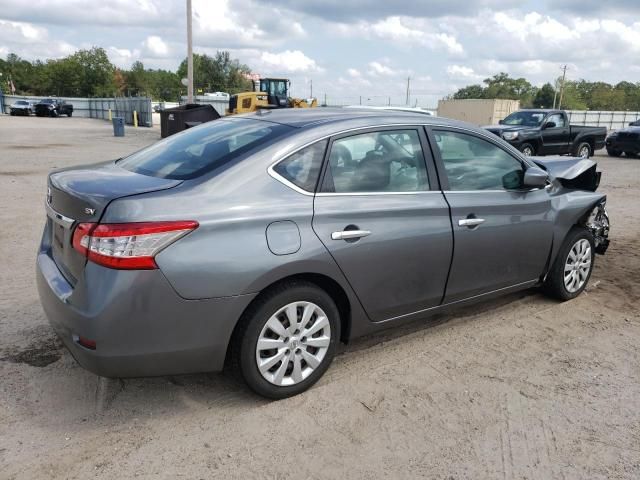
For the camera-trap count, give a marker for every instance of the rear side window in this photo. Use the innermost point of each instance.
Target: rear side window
(386, 161)
(199, 150)
(303, 167)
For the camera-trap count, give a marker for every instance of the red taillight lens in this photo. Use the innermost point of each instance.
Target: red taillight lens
(129, 246)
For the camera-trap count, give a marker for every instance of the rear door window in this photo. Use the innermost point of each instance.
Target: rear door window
(197, 151)
(385, 161)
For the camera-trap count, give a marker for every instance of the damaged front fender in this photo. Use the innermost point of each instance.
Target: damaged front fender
(573, 173)
(598, 223)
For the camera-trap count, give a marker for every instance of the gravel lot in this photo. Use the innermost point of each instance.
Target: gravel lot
(521, 387)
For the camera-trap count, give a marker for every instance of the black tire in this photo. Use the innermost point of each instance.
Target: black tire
(69, 114)
(527, 149)
(614, 153)
(242, 350)
(554, 284)
(630, 154)
(583, 146)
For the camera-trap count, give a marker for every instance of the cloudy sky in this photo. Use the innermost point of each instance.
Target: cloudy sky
(348, 48)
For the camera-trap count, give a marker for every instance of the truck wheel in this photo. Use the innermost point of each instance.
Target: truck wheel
(69, 114)
(527, 149)
(583, 150)
(614, 153)
(572, 268)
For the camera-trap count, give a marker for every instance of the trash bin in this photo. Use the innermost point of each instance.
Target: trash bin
(118, 126)
(177, 119)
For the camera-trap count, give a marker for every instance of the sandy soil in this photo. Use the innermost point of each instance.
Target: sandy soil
(521, 387)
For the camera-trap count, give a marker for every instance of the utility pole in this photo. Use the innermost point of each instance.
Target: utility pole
(311, 88)
(189, 55)
(564, 74)
(408, 86)
(555, 92)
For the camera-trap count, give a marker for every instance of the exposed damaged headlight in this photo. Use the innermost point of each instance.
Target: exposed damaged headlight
(598, 223)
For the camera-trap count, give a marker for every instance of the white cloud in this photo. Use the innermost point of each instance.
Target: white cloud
(289, 61)
(354, 73)
(462, 72)
(156, 47)
(376, 68)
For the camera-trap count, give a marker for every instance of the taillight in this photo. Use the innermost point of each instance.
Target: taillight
(128, 246)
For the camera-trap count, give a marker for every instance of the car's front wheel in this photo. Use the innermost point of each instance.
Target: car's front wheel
(614, 153)
(286, 340)
(573, 266)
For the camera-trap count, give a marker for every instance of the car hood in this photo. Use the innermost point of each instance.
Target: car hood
(571, 172)
(626, 130)
(17, 105)
(500, 129)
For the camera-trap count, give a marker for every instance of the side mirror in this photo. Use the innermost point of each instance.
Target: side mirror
(549, 125)
(535, 177)
(500, 122)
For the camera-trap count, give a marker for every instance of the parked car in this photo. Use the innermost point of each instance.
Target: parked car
(50, 107)
(635, 124)
(625, 140)
(547, 132)
(263, 241)
(21, 107)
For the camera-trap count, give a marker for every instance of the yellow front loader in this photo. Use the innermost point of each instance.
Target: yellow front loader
(272, 93)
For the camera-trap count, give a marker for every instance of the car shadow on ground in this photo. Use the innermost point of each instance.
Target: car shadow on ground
(67, 385)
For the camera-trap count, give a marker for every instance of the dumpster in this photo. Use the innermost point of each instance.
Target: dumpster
(118, 126)
(177, 119)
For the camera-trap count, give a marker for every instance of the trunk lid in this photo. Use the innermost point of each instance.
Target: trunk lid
(81, 194)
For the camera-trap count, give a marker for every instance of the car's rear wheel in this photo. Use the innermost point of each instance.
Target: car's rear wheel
(573, 266)
(286, 340)
(630, 154)
(583, 150)
(527, 149)
(614, 153)
(69, 114)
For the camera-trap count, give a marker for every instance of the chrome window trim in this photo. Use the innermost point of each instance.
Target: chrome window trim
(281, 179)
(272, 173)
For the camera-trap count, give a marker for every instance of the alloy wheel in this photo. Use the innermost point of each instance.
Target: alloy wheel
(584, 152)
(577, 266)
(293, 343)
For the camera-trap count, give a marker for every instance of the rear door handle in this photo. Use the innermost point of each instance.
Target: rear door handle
(350, 234)
(470, 222)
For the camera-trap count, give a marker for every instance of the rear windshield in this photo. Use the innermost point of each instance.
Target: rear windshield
(199, 150)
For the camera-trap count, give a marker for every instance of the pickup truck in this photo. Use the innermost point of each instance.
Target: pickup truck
(50, 107)
(547, 132)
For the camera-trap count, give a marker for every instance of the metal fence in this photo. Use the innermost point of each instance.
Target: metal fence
(610, 119)
(98, 107)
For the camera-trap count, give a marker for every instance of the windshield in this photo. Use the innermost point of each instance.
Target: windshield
(21, 102)
(46, 100)
(199, 150)
(527, 119)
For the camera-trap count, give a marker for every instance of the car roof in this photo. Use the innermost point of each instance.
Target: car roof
(309, 117)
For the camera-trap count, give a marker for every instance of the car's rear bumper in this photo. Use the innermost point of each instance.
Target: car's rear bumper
(140, 325)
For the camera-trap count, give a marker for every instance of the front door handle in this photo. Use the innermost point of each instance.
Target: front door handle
(470, 222)
(350, 234)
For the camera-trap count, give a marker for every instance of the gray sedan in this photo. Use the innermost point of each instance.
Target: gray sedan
(262, 241)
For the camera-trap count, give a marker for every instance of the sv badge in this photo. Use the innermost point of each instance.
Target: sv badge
(89, 211)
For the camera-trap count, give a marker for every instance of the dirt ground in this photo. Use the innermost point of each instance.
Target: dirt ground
(522, 387)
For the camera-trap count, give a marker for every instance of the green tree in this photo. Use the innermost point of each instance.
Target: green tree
(219, 73)
(544, 97)
(471, 91)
